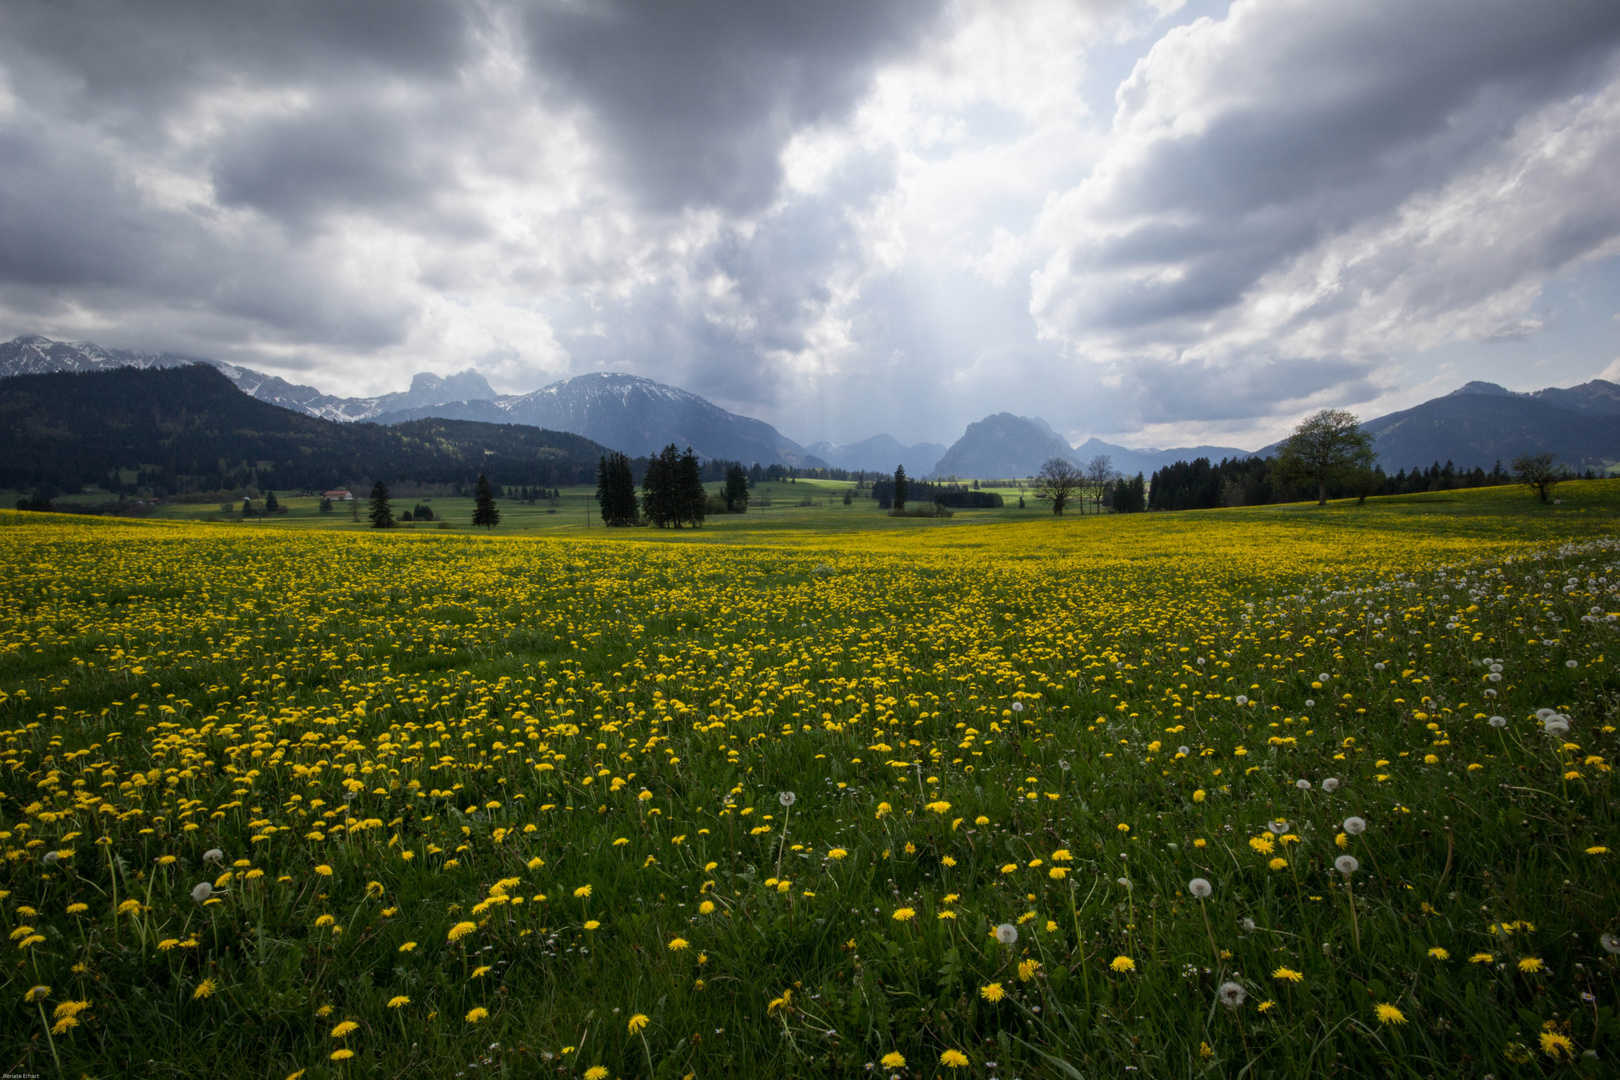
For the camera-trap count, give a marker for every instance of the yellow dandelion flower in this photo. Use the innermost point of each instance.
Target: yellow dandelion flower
(1555, 1045)
(894, 1059)
(637, 1022)
(1289, 974)
(398, 1001)
(408, 946)
(1437, 953)
(953, 1059)
(1530, 965)
(343, 1054)
(1123, 964)
(992, 992)
(344, 1028)
(904, 914)
(204, 989)
(461, 930)
(677, 944)
(1389, 1014)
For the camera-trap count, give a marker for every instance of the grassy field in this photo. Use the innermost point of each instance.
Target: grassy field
(818, 794)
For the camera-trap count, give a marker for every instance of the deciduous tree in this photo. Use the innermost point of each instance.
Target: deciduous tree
(1058, 481)
(1328, 448)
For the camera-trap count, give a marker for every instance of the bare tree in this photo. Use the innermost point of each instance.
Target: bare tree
(1099, 470)
(1539, 472)
(1326, 449)
(1058, 480)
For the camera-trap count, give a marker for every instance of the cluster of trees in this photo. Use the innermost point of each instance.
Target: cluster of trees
(1061, 483)
(672, 492)
(887, 491)
(381, 510)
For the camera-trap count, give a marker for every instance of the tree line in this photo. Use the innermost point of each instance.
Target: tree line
(672, 492)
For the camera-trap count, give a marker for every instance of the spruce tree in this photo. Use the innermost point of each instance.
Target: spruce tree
(382, 515)
(902, 487)
(484, 512)
(659, 488)
(694, 498)
(736, 487)
(616, 490)
(271, 506)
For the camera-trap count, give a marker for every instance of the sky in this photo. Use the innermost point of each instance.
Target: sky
(1160, 223)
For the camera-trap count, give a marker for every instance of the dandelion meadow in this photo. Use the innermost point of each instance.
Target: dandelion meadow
(1255, 791)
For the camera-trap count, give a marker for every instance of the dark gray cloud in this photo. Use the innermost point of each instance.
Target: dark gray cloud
(696, 100)
(1243, 144)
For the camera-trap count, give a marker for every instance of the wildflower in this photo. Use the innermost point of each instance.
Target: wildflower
(204, 989)
(1482, 958)
(1330, 785)
(1355, 826)
(398, 1001)
(408, 946)
(1200, 888)
(981, 820)
(1057, 873)
(637, 1022)
(480, 971)
(1231, 994)
(475, 1015)
(69, 1008)
(324, 870)
(343, 1054)
(37, 993)
(461, 930)
(953, 1059)
(1027, 969)
(202, 892)
(1598, 849)
(786, 798)
(706, 908)
(62, 1026)
(837, 853)
(1007, 934)
(76, 909)
(678, 944)
(1346, 864)
(904, 914)
(992, 992)
(1278, 863)
(1262, 844)
(1530, 965)
(1266, 1006)
(1302, 784)
(582, 892)
(596, 1072)
(324, 921)
(344, 1028)
(940, 807)
(1123, 964)
(213, 855)
(1389, 1014)
(1610, 943)
(1288, 973)
(1437, 953)
(1200, 795)
(591, 924)
(1555, 1045)
(947, 861)
(1497, 721)
(894, 1059)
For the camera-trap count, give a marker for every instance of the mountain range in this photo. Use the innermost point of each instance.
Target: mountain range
(624, 412)
(1476, 425)
(188, 428)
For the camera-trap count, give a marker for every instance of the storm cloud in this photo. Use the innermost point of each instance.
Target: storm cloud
(1130, 218)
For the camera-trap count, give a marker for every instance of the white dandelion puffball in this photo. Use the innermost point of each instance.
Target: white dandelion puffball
(1124, 882)
(1007, 934)
(1558, 725)
(1241, 699)
(1303, 784)
(1330, 785)
(1200, 888)
(1346, 865)
(787, 798)
(1545, 714)
(1231, 994)
(213, 855)
(1246, 925)
(1610, 943)
(1278, 827)
(1018, 706)
(51, 857)
(1323, 677)
(202, 891)
(1355, 826)
(1497, 721)
(1380, 665)
(1183, 751)
(1571, 663)
(1310, 703)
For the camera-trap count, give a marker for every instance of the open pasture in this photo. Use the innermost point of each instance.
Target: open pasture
(1262, 792)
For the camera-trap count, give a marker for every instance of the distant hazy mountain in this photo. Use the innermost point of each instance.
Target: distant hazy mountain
(880, 453)
(188, 428)
(1596, 398)
(32, 354)
(1129, 462)
(1003, 446)
(632, 414)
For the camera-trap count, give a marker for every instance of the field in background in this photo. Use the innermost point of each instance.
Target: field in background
(363, 803)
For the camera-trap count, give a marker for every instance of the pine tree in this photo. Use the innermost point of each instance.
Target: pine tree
(736, 488)
(271, 506)
(484, 512)
(616, 490)
(660, 488)
(382, 515)
(902, 487)
(694, 498)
